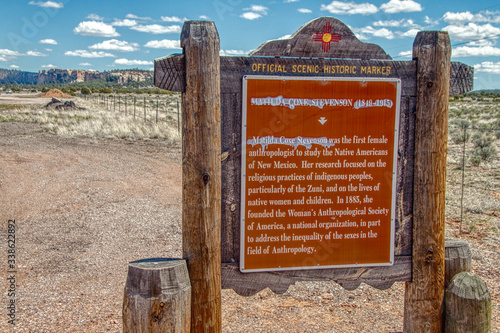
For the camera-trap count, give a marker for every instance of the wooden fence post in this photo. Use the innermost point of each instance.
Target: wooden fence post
(157, 297)
(457, 258)
(468, 305)
(424, 296)
(201, 172)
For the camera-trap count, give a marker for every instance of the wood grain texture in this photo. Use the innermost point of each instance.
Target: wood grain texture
(170, 72)
(424, 295)
(303, 44)
(457, 258)
(157, 297)
(468, 305)
(350, 278)
(201, 192)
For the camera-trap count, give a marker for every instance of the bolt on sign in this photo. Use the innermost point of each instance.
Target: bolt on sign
(318, 172)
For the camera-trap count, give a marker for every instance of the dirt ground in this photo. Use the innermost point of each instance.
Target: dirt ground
(84, 208)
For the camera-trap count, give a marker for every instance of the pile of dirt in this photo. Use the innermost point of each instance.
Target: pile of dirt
(55, 93)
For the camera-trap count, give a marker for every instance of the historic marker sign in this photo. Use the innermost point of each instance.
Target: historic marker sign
(319, 161)
(323, 49)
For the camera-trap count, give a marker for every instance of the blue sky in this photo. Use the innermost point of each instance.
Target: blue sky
(106, 35)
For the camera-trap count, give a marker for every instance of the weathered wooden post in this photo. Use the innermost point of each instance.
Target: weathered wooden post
(458, 258)
(425, 293)
(201, 172)
(468, 305)
(157, 297)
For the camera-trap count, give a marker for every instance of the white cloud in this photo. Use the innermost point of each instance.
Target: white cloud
(410, 33)
(48, 66)
(369, 30)
(304, 10)
(157, 29)
(10, 53)
(95, 29)
(48, 4)
(95, 17)
(464, 17)
(88, 54)
(471, 31)
(2, 58)
(164, 44)
(487, 67)
(85, 64)
(405, 23)
(467, 51)
(430, 21)
(285, 36)
(350, 8)
(401, 6)
(204, 17)
(36, 54)
(48, 41)
(127, 62)
(254, 12)
(124, 23)
(233, 53)
(115, 45)
(173, 19)
(14, 66)
(250, 16)
(135, 17)
(406, 54)
(48, 50)
(290, 1)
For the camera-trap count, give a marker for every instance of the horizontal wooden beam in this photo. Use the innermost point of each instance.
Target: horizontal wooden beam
(381, 277)
(170, 71)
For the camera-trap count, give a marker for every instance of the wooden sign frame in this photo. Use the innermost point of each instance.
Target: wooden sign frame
(170, 74)
(318, 254)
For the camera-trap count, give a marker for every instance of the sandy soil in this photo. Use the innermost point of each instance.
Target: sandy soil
(84, 208)
(23, 99)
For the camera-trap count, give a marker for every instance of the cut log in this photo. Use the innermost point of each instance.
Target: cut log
(457, 258)
(157, 297)
(468, 305)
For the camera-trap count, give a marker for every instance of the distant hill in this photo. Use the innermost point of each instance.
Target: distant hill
(8, 76)
(11, 76)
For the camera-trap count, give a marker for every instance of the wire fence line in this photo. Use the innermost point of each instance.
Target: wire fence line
(160, 108)
(474, 168)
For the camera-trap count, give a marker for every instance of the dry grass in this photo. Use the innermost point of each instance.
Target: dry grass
(95, 120)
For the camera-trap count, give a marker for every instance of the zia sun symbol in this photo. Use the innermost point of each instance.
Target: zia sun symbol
(326, 37)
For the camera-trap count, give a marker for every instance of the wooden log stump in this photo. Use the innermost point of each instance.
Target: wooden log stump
(157, 297)
(468, 305)
(457, 258)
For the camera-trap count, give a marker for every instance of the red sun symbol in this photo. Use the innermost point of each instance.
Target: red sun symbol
(326, 37)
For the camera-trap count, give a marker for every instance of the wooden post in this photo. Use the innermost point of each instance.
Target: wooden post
(201, 165)
(424, 295)
(457, 258)
(468, 305)
(145, 117)
(157, 297)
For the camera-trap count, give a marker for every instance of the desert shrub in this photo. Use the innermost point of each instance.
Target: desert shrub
(105, 90)
(459, 132)
(85, 91)
(483, 148)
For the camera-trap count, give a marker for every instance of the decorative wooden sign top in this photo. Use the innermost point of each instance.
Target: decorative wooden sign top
(324, 37)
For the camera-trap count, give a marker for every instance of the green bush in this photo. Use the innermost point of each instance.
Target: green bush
(85, 91)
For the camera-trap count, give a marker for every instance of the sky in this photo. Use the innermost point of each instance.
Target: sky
(107, 35)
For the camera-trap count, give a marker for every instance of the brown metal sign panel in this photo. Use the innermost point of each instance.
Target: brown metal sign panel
(319, 163)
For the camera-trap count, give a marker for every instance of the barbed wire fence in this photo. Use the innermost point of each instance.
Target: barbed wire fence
(150, 108)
